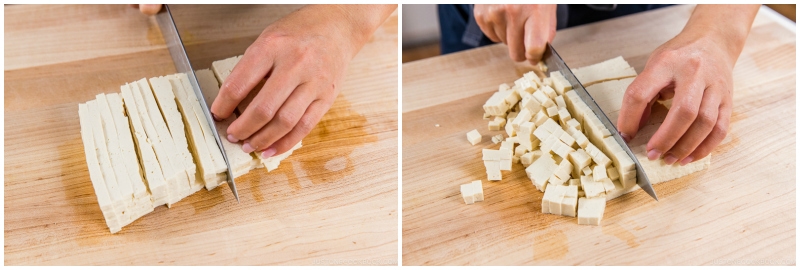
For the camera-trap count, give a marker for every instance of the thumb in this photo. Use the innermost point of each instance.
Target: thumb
(150, 9)
(639, 98)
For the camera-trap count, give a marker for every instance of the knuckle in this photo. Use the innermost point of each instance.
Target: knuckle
(287, 118)
(635, 95)
(685, 112)
(234, 89)
(265, 110)
(706, 120)
(305, 125)
(721, 130)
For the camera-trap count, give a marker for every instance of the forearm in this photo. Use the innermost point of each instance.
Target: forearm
(728, 23)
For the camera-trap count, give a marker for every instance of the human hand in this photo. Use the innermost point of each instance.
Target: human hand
(148, 9)
(303, 58)
(695, 70)
(526, 29)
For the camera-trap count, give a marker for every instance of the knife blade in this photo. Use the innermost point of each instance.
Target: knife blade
(182, 64)
(554, 62)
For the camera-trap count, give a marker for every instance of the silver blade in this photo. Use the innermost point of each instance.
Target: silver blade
(182, 65)
(555, 63)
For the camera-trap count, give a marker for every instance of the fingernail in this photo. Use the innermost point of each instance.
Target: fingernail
(268, 153)
(215, 117)
(653, 154)
(625, 137)
(687, 160)
(232, 139)
(670, 159)
(247, 148)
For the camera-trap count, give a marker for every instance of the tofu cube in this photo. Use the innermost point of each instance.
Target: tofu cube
(590, 210)
(473, 137)
(540, 171)
(467, 193)
(497, 138)
(599, 173)
(477, 189)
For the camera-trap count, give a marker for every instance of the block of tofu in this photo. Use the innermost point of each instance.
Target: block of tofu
(210, 88)
(543, 99)
(548, 91)
(493, 170)
(569, 202)
(561, 149)
(141, 201)
(564, 116)
(608, 185)
(574, 124)
(612, 69)
(156, 127)
(563, 171)
(523, 116)
(540, 171)
(524, 135)
(587, 171)
(590, 210)
(500, 154)
(560, 102)
(599, 173)
(507, 145)
(498, 123)
(163, 91)
(552, 111)
(560, 84)
(477, 189)
(210, 165)
(503, 87)
(101, 190)
(579, 159)
(530, 103)
(592, 188)
(532, 77)
(498, 103)
(540, 118)
(467, 193)
(222, 68)
(153, 171)
(613, 173)
(474, 137)
(114, 151)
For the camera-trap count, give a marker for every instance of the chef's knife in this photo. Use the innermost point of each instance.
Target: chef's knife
(175, 46)
(555, 63)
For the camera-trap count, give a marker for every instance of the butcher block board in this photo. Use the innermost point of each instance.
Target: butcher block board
(739, 211)
(334, 200)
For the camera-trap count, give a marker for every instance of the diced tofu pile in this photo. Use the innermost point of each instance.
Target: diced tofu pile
(568, 153)
(152, 146)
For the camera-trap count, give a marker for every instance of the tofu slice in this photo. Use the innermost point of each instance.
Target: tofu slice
(104, 198)
(145, 149)
(162, 89)
(612, 69)
(172, 169)
(115, 154)
(222, 68)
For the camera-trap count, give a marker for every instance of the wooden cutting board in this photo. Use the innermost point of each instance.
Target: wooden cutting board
(332, 201)
(739, 211)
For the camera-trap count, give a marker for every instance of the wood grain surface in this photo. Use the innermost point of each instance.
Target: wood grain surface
(739, 211)
(334, 201)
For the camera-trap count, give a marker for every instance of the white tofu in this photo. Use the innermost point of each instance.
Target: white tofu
(540, 118)
(612, 69)
(162, 89)
(560, 84)
(613, 173)
(590, 210)
(543, 99)
(519, 151)
(474, 137)
(501, 154)
(530, 103)
(566, 139)
(560, 103)
(608, 185)
(569, 203)
(524, 135)
(540, 171)
(497, 138)
(503, 87)
(592, 188)
(156, 182)
(574, 124)
(115, 154)
(552, 111)
(95, 171)
(477, 189)
(579, 159)
(548, 91)
(222, 68)
(523, 116)
(109, 176)
(467, 193)
(563, 171)
(493, 170)
(586, 171)
(599, 173)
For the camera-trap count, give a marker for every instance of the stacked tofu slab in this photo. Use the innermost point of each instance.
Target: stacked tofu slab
(567, 151)
(151, 145)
